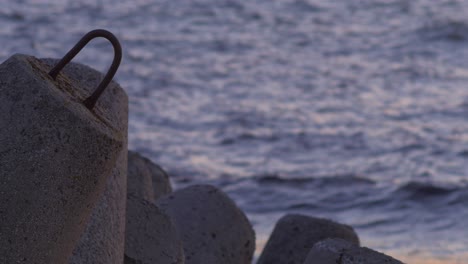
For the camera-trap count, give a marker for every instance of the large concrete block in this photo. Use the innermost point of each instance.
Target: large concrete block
(146, 179)
(104, 237)
(151, 237)
(294, 235)
(55, 158)
(333, 250)
(212, 228)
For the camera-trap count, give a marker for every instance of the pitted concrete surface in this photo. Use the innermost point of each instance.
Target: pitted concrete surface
(333, 251)
(151, 237)
(55, 159)
(212, 228)
(294, 236)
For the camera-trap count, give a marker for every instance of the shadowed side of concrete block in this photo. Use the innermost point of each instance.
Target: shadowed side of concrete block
(151, 237)
(55, 158)
(294, 235)
(212, 228)
(103, 239)
(146, 179)
(334, 250)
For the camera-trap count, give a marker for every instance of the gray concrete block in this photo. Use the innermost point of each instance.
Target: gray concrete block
(294, 235)
(151, 237)
(103, 240)
(333, 250)
(146, 179)
(212, 228)
(55, 159)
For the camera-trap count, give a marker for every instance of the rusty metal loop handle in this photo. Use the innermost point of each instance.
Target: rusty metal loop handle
(91, 100)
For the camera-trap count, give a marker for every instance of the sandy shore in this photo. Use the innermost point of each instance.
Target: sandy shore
(429, 259)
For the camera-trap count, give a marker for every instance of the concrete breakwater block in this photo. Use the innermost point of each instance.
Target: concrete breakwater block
(332, 251)
(55, 158)
(103, 239)
(146, 179)
(294, 235)
(212, 228)
(151, 237)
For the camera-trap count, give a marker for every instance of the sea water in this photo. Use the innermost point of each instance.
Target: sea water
(351, 110)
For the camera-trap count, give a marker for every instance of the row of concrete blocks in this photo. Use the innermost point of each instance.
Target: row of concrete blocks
(201, 224)
(300, 239)
(197, 224)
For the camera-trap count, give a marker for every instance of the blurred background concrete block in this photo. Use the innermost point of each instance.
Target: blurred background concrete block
(146, 179)
(335, 250)
(294, 235)
(212, 228)
(151, 237)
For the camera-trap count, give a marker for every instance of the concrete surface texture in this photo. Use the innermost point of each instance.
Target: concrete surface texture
(212, 228)
(55, 158)
(151, 237)
(294, 235)
(146, 179)
(339, 251)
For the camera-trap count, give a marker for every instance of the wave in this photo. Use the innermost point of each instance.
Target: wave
(335, 180)
(248, 137)
(431, 193)
(445, 30)
(12, 15)
(356, 191)
(426, 189)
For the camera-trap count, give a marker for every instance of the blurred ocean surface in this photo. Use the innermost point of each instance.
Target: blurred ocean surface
(351, 110)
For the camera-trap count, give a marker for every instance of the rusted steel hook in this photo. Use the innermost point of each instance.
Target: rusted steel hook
(91, 100)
